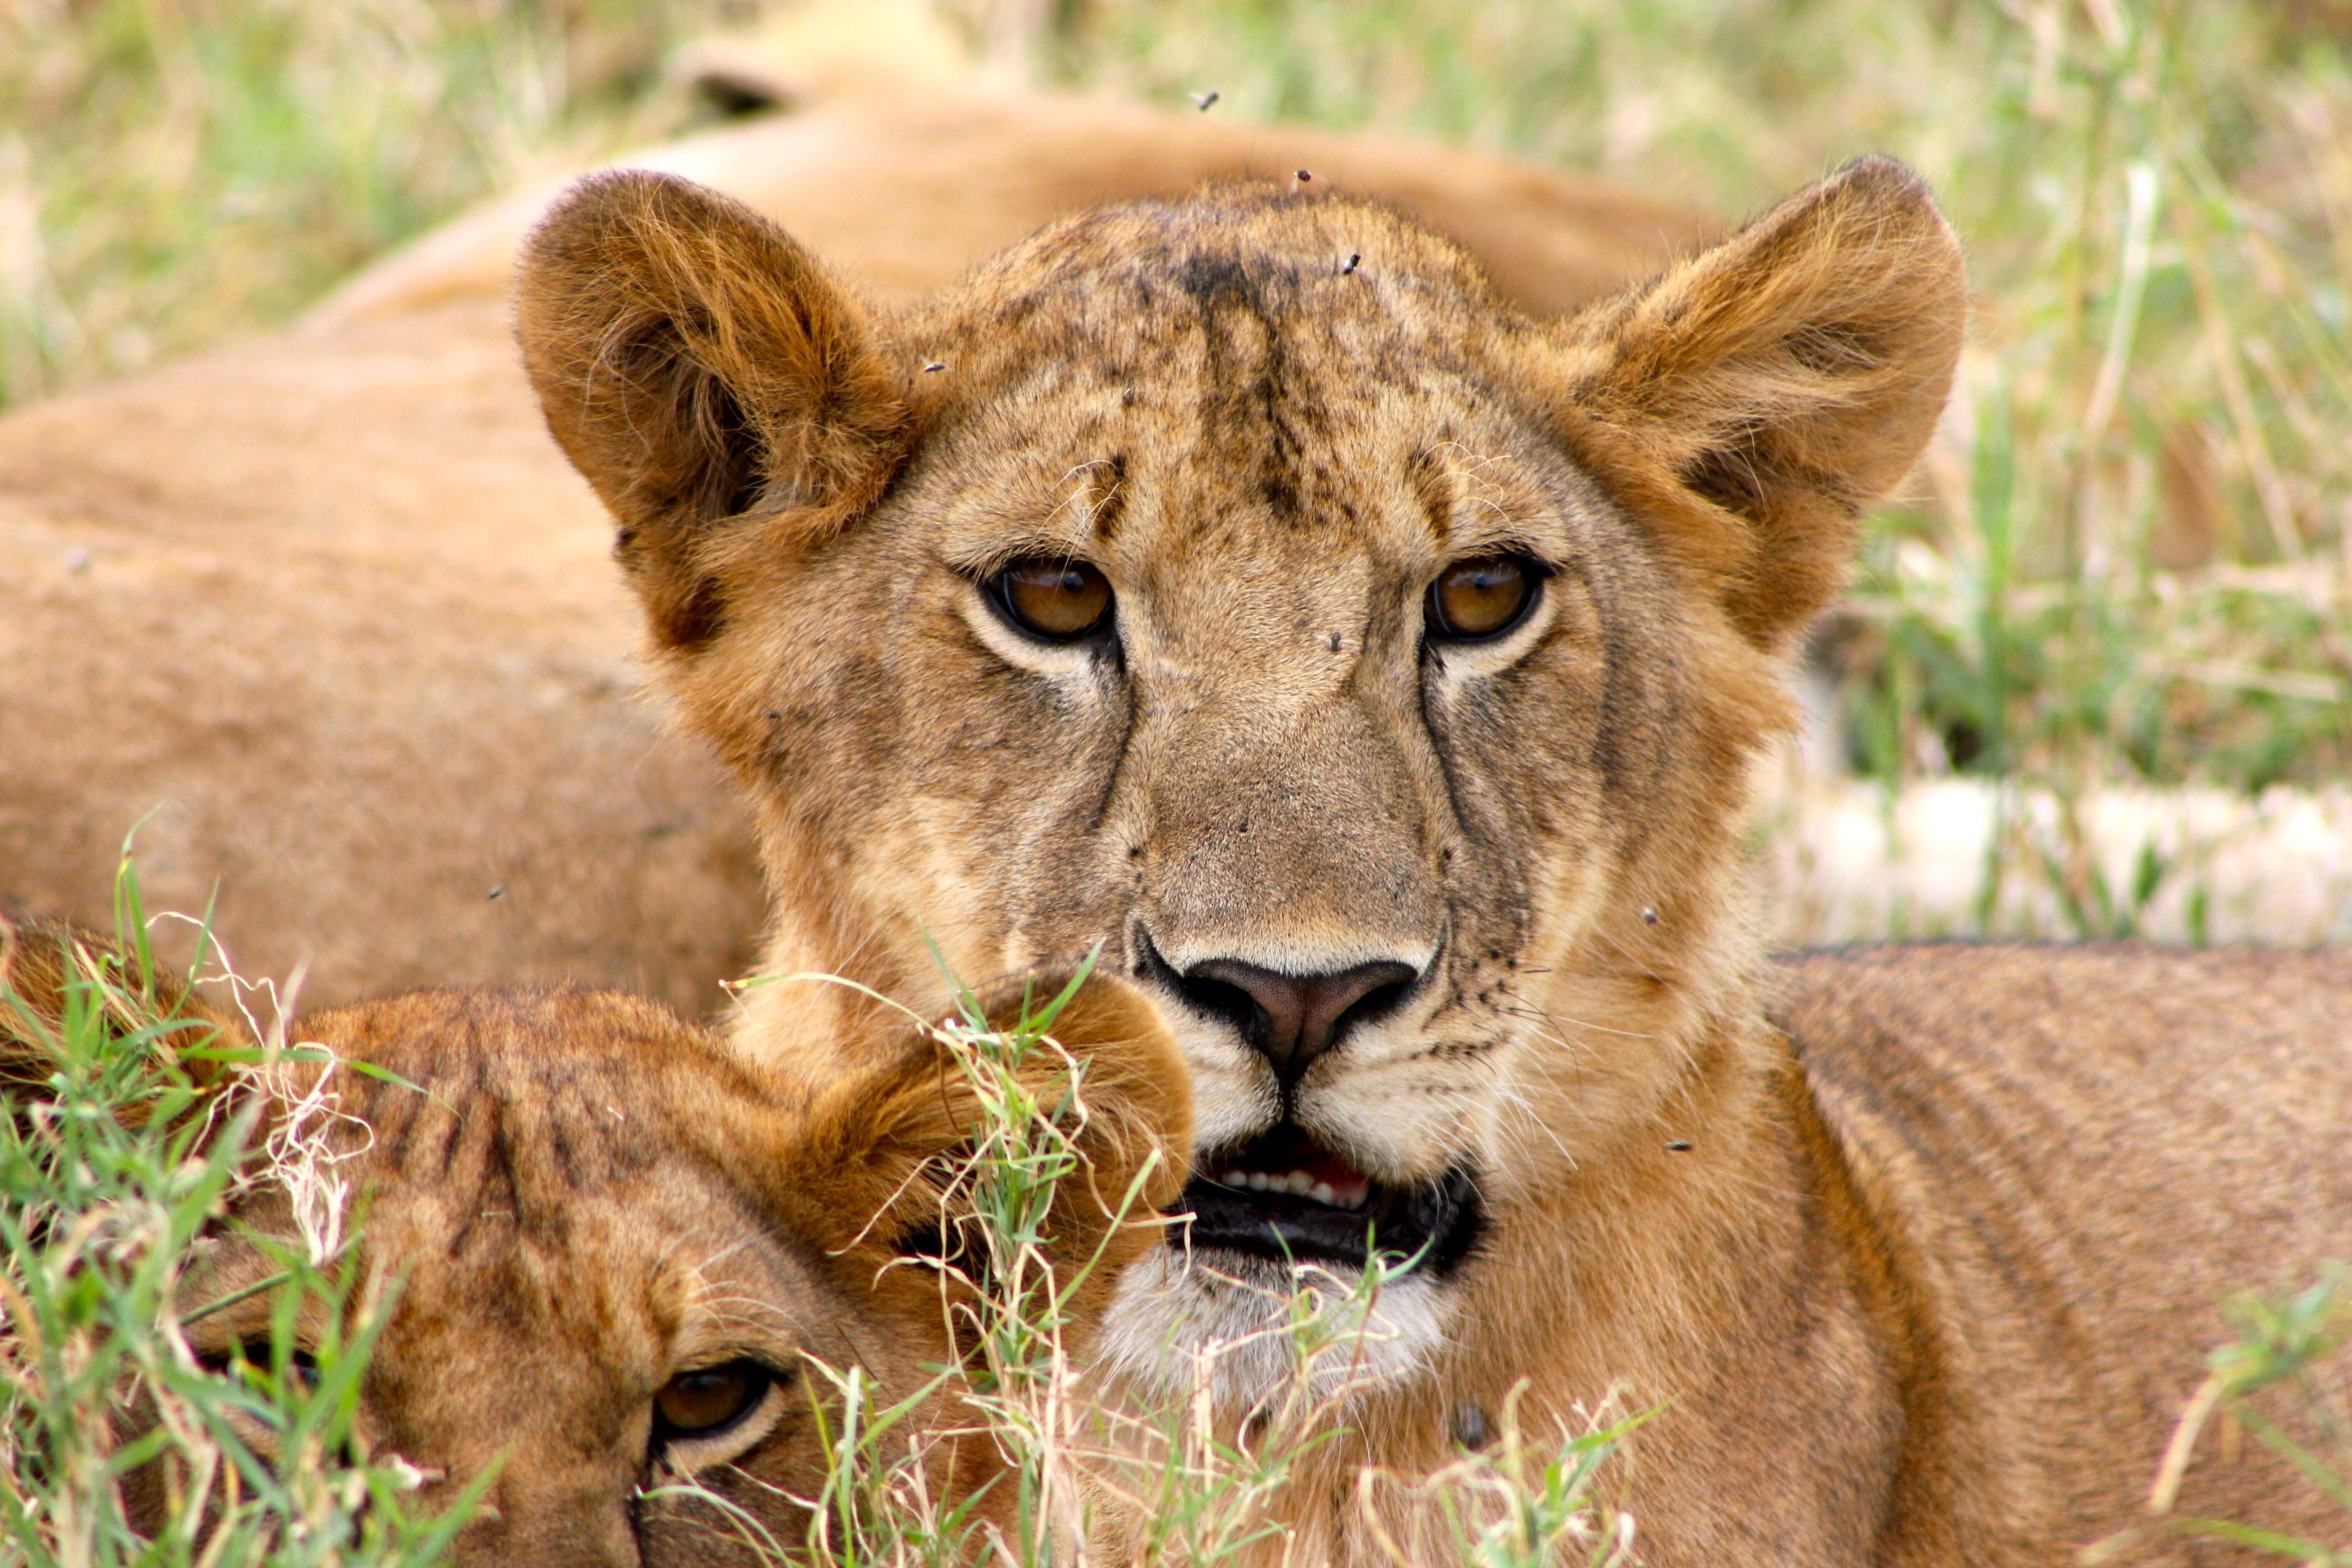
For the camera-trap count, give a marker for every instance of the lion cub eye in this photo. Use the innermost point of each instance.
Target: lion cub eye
(1060, 601)
(1475, 600)
(709, 1399)
(253, 1357)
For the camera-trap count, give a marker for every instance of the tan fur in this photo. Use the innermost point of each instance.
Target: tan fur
(578, 1195)
(327, 613)
(1882, 1315)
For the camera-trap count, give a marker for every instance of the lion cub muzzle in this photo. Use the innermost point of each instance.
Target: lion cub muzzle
(1285, 1194)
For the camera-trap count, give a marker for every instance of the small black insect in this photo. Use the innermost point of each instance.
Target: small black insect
(1678, 1147)
(937, 364)
(1204, 99)
(1353, 258)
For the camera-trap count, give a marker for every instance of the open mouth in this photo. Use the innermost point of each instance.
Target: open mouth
(1285, 1196)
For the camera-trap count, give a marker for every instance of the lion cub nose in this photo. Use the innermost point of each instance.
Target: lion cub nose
(1294, 1018)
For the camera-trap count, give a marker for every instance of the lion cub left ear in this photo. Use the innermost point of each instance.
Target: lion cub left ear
(696, 365)
(1747, 406)
(890, 1164)
(52, 972)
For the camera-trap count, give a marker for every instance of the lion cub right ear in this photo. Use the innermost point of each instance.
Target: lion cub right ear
(696, 365)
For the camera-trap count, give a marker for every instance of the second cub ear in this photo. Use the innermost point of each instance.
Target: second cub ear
(900, 1162)
(697, 364)
(1748, 405)
(62, 986)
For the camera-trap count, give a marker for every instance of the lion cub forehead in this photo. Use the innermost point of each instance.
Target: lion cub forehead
(551, 1094)
(1129, 280)
(1163, 378)
(559, 1153)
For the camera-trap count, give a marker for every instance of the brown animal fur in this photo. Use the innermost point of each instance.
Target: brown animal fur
(1886, 1316)
(581, 1196)
(331, 608)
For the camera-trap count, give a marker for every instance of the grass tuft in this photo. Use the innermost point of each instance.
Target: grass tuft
(126, 1132)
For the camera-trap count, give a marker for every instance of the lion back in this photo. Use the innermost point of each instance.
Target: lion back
(2071, 1157)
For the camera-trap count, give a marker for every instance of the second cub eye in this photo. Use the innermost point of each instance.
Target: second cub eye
(1060, 601)
(706, 1402)
(1474, 600)
(254, 1355)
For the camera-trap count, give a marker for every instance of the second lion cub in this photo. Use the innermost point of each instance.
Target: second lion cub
(623, 1258)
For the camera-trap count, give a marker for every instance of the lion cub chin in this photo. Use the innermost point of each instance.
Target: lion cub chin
(624, 1259)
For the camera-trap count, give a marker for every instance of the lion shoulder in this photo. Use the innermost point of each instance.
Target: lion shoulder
(2077, 1153)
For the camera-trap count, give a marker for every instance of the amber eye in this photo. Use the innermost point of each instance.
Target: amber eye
(1060, 601)
(707, 1401)
(1474, 600)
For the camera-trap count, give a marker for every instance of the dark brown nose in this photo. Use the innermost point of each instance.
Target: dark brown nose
(1294, 1018)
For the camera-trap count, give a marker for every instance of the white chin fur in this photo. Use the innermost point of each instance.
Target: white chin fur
(1222, 1321)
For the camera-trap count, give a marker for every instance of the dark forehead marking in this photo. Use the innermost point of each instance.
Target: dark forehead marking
(522, 1140)
(1253, 412)
(501, 1180)
(395, 1115)
(1218, 278)
(559, 1149)
(496, 1194)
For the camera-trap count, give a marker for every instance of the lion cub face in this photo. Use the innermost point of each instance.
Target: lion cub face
(1236, 582)
(601, 1285)
(618, 1261)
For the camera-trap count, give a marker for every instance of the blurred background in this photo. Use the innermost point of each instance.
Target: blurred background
(2095, 675)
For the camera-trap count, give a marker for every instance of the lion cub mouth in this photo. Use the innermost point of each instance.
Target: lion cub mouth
(1285, 1196)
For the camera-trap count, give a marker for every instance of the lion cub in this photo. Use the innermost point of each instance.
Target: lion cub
(1378, 673)
(621, 1253)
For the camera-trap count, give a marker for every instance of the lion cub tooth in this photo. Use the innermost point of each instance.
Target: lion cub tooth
(1322, 1193)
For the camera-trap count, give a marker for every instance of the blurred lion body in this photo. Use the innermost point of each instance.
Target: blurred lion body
(331, 615)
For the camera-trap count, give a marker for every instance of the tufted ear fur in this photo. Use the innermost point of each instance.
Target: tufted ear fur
(1749, 404)
(696, 365)
(51, 971)
(880, 1169)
